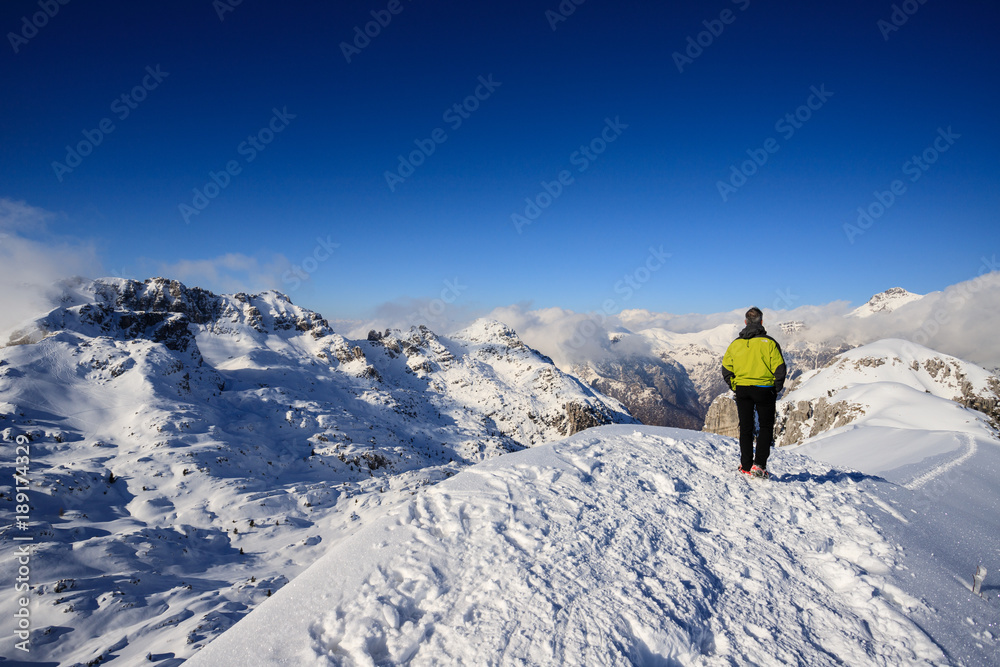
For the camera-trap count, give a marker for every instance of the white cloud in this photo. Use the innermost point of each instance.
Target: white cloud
(962, 320)
(32, 260)
(566, 336)
(441, 315)
(225, 274)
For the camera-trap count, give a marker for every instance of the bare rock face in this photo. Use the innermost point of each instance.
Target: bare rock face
(722, 417)
(581, 416)
(656, 391)
(804, 419)
(987, 402)
(891, 362)
(793, 423)
(988, 405)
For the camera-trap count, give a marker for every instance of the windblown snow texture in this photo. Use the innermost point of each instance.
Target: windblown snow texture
(618, 546)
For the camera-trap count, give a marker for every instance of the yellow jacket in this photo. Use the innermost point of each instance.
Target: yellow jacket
(754, 359)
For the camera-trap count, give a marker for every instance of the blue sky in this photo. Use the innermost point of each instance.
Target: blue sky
(640, 137)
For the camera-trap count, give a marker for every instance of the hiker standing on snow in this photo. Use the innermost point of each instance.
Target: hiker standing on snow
(754, 368)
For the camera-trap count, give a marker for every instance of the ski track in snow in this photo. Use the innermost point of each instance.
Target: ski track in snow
(971, 447)
(629, 548)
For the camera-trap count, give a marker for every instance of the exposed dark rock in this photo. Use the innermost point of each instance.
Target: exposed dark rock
(657, 392)
(722, 417)
(806, 419)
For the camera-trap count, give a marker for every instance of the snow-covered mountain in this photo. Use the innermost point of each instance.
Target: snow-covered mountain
(885, 302)
(892, 384)
(648, 366)
(656, 389)
(699, 353)
(662, 377)
(641, 546)
(190, 453)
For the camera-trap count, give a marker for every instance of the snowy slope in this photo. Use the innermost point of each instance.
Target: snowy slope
(926, 422)
(626, 546)
(191, 453)
(921, 403)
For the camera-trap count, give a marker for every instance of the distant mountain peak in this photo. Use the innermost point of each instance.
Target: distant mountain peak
(886, 302)
(486, 331)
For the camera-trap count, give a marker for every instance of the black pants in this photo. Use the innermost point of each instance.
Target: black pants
(760, 399)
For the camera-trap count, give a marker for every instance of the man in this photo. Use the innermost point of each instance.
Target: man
(754, 368)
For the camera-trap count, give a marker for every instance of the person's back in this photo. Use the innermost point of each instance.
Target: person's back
(754, 368)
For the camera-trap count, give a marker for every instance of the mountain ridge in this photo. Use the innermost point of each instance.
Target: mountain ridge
(195, 451)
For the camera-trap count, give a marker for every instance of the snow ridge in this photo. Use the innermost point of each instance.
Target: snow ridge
(618, 546)
(898, 388)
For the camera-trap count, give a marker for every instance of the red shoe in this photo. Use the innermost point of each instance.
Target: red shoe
(757, 471)
(745, 472)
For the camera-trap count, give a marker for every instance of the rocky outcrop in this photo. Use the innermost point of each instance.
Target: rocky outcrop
(987, 402)
(804, 419)
(581, 416)
(161, 310)
(794, 422)
(722, 417)
(828, 399)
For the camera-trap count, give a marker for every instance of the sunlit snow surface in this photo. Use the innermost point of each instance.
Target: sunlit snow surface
(625, 545)
(903, 396)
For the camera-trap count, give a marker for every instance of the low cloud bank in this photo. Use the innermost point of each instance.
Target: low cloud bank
(962, 320)
(229, 273)
(441, 315)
